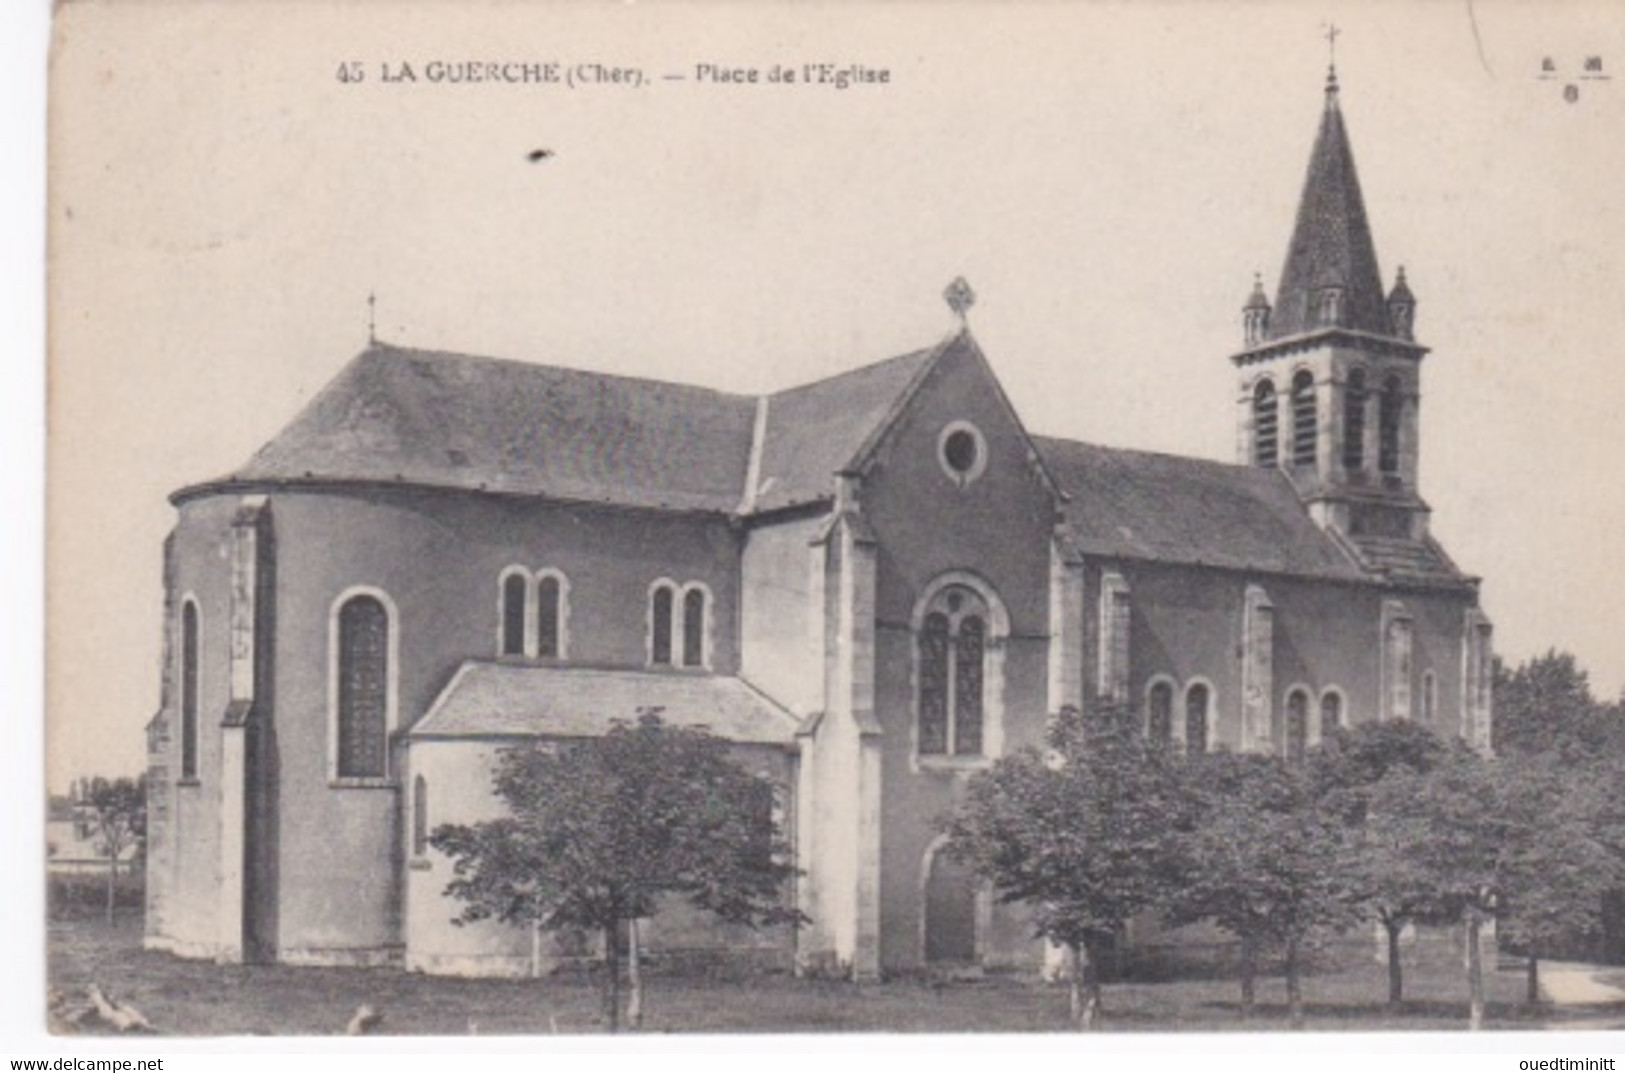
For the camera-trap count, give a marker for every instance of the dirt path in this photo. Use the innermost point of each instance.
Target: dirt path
(1592, 994)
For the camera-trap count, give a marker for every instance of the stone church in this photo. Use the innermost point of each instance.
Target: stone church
(873, 586)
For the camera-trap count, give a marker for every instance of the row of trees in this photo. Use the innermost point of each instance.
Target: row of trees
(1384, 822)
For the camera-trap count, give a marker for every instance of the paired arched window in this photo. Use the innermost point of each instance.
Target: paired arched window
(679, 627)
(952, 648)
(515, 592)
(1198, 697)
(1296, 743)
(1266, 432)
(1354, 400)
(420, 817)
(533, 612)
(363, 686)
(1159, 712)
(1304, 424)
(189, 689)
(1389, 411)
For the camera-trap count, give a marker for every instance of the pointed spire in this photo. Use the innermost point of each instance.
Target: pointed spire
(1330, 278)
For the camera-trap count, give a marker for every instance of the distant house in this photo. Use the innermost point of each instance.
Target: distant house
(71, 845)
(874, 585)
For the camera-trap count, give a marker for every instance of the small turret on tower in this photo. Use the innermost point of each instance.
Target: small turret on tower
(1255, 315)
(1402, 307)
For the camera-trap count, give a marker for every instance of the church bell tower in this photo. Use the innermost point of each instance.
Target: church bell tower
(1329, 375)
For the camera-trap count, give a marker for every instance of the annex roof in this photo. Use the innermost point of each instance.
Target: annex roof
(487, 699)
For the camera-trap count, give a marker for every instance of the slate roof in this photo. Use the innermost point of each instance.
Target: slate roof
(1402, 559)
(816, 430)
(489, 699)
(1331, 240)
(1167, 508)
(452, 420)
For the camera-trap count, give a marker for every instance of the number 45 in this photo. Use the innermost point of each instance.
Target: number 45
(351, 72)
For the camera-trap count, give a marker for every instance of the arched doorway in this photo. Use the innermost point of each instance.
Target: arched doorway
(950, 911)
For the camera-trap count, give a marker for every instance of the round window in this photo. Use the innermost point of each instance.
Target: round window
(962, 452)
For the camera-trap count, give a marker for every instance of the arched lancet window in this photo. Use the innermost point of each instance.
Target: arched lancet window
(420, 816)
(1388, 418)
(513, 615)
(1354, 399)
(1159, 713)
(694, 628)
(1197, 698)
(363, 688)
(660, 625)
(952, 646)
(1331, 712)
(549, 617)
(1297, 726)
(1304, 425)
(189, 689)
(1265, 425)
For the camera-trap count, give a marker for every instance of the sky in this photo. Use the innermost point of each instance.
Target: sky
(1107, 178)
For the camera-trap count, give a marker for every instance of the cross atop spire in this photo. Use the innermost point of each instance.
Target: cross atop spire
(372, 318)
(1331, 52)
(960, 298)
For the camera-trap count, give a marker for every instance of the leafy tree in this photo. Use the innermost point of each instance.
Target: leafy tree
(1343, 769)
(1262, 863)
(1085, 835)
(599, 831)
(1570, 856)
(118, 815)
(1546, 705)
(1460, 828)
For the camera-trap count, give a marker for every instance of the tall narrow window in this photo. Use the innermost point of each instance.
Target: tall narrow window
(1159, 715)
(660, 623)
(1331, 712)
(189, 690)
(513, 615)
(694, 628)
(1388, 416)
(968, 687)
(933, 701)
(1304, 425)
(1354, 398)
(1265, 430)
(420, 817)
(1196, 705)
(952, 650)
(363, 688)
(1297, 726)
(549, 613)
(1430, 696)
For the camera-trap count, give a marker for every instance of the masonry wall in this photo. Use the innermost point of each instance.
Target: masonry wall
(184, 876)
(1186, 625)
(437, 557)
(997, 527)
(779, 652)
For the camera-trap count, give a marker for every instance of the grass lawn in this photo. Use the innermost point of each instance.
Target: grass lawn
(200, 998)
